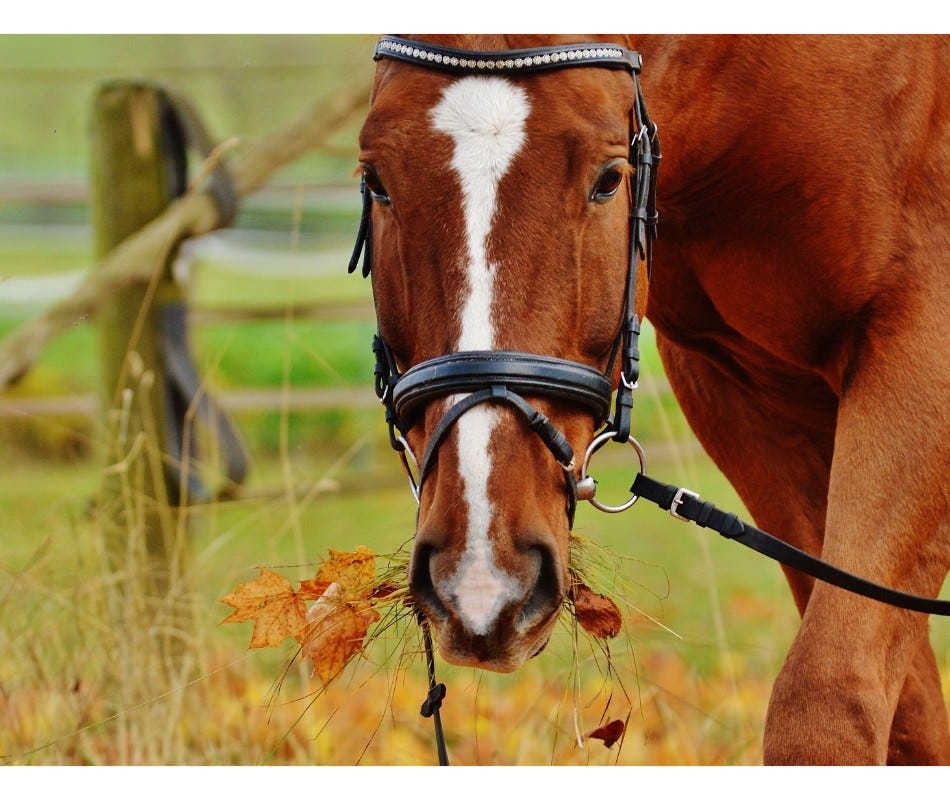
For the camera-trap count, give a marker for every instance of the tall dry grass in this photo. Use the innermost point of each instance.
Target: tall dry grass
(113, 655)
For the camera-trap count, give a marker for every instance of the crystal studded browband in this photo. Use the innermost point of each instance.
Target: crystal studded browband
(530, 60)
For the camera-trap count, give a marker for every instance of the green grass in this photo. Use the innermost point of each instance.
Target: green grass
(28, 253)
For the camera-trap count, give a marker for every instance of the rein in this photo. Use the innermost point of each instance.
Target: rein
(689, 507)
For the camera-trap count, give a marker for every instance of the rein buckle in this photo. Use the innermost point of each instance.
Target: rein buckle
(678, 501)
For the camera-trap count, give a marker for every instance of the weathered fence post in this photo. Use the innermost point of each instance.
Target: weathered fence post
(151, 393)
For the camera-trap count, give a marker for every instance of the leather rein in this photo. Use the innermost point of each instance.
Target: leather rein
(503, 376)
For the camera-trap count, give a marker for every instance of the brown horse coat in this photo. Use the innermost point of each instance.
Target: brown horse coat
(800, 298)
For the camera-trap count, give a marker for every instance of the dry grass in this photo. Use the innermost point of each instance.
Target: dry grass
(234, 712)
(96, 669)
(90, 677)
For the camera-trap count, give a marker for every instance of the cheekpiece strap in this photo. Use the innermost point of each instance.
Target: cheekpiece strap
(533, 59)
(386, 376)
(364, 236)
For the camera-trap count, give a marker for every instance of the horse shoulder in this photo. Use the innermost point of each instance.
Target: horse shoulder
(785, 210)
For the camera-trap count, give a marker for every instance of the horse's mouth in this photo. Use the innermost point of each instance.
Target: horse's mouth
(541, 645)
(503, 650)
(483, 630)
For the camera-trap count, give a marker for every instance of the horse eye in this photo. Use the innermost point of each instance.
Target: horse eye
(607, 184)
(375, 186)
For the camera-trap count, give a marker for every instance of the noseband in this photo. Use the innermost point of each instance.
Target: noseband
(497, 376)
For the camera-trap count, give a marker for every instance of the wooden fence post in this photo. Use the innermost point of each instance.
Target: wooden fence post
(151, 394)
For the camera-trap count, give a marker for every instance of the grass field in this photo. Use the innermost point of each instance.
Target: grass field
(705, 629)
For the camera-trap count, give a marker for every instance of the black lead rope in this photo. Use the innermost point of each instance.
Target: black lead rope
(686, 505)
(433, 701)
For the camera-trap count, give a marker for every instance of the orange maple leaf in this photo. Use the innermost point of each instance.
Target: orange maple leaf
(355, 572)
(598, 614)
(608, 733)
(334, 629)
(312, 589)
(335, 632)
(277, 610)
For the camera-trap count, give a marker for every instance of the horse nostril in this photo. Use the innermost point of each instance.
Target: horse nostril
(546, 594)
(421, 585)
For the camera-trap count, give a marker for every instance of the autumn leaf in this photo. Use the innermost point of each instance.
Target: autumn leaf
(355, 572)
(277, 610)
(598, 614)
(334, 629)
(609, 733)
(335, 632)
(312, 589)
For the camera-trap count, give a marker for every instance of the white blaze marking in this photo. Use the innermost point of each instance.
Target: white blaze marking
(485, 118)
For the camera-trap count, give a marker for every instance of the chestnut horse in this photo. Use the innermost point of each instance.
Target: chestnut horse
(799, 296)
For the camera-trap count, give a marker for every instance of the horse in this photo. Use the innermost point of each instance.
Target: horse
(797, 288)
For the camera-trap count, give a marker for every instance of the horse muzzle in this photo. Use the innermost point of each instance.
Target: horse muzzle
(492, 611)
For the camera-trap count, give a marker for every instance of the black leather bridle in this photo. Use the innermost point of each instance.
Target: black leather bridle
(498, 376)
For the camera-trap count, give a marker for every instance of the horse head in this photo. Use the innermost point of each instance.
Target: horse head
(497, 224)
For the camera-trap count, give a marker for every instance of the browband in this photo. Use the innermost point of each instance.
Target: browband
(533, 59)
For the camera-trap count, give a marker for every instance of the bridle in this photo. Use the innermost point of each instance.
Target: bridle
(501, 376)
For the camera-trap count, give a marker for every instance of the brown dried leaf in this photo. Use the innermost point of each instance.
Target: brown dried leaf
(312, 589)
(598, 614)
(277, 610)
(355, 572)
(609, 733)
(334, 633)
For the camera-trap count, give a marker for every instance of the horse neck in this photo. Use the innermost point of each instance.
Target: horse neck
(700, 122)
